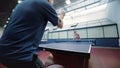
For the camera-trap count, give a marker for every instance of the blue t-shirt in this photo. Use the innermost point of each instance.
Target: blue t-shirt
(25, 29)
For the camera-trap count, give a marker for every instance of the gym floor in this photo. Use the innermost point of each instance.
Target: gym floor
(104, 57)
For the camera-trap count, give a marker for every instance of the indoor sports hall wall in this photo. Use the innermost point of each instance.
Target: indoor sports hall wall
(113, 12)
(1, 31)
(104, 32)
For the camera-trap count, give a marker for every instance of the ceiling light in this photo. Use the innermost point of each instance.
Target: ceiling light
(68, 2)
(8, 18)
(4, 25)
(19, 1)
(6, 21)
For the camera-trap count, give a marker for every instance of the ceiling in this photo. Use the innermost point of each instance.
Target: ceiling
(61, 3)
(6, 7)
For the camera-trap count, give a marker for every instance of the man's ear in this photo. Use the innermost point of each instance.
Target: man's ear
(51, 2)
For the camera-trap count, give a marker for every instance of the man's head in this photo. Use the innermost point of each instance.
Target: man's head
(75, 32)
(51, 1)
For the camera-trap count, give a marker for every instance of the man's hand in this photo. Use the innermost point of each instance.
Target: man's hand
(61, 15)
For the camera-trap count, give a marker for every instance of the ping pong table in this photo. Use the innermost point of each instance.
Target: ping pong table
(69, 54)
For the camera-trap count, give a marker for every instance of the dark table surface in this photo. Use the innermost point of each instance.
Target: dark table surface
(69, 46)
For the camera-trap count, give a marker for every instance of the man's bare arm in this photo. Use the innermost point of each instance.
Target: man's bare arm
(61, 17)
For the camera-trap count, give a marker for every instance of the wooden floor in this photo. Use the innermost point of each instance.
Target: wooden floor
(104, 57)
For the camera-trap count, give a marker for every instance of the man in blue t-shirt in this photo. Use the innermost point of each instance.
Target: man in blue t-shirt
(24, 31)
